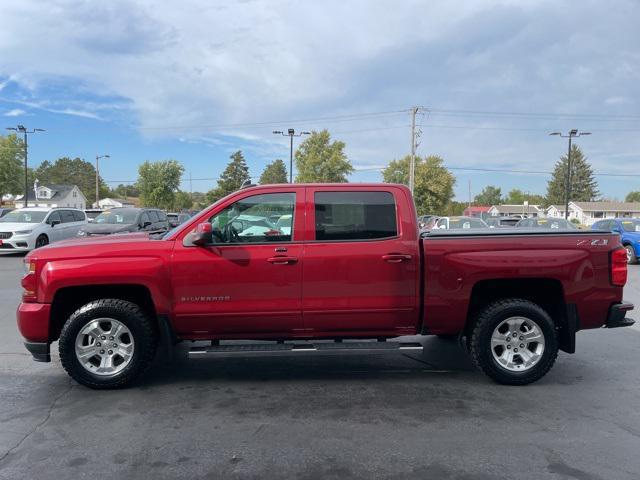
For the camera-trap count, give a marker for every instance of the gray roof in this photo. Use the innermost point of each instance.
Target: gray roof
(608, 206)
(557, 207)
(60, 191)
(511, 209)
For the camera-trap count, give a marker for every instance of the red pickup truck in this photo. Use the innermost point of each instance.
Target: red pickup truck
(328, 268)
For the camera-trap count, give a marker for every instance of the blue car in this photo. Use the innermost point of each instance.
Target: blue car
(629, 230)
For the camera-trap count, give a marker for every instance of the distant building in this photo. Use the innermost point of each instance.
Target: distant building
(106, 203)
(588, 213)
(53, 196)
(518, 210)
(478, 212)
(555, 211)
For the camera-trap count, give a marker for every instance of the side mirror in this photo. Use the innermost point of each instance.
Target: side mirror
(146, 224)
(54, 223)
(203, 234)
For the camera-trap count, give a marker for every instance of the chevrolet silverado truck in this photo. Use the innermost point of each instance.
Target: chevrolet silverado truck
(349, 272)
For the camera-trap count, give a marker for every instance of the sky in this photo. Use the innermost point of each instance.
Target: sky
(196, 80)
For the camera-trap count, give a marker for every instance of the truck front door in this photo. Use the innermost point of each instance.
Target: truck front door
(249, 279)
(361, 262)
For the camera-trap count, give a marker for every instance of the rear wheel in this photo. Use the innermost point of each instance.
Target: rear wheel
(514, 342)
(41, 241)
(107, 343)
(631, 255)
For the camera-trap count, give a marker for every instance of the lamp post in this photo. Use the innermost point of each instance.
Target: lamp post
(22, 129)
(290, 133)
(567, 192)
(98, 157)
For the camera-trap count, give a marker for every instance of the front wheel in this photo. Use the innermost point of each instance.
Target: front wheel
(514, 342)
(41, 241)
(107, 343)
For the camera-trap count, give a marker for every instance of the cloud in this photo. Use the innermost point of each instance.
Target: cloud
(180, 70)
(16, 112)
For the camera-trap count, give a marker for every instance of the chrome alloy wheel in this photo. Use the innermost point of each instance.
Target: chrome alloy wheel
(517, 344)
(104, 346)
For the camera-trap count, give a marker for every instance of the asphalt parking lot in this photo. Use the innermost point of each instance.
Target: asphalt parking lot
(429, 415)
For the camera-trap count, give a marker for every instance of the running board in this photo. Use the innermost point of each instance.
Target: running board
(324, 348)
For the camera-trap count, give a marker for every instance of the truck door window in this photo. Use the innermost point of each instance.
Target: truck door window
(355, 215)
(264, 218)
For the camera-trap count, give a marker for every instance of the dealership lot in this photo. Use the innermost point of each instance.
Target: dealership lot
(427, 415)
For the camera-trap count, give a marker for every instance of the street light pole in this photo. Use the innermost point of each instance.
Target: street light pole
(567, 192)
(22, 129)
(290, 133)
(98, 157)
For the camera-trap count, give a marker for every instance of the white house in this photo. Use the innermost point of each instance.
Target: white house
(588, 213)
(519, 210)
(555, 211)
(54, 196)
(106, 203)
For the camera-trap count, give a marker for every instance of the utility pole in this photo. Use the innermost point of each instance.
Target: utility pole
(22, 129)
(469, 193)
(412, 165)
(290, 133)
(98, 157)
(567, 191)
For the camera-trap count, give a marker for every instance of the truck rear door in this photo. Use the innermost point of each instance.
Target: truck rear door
(360, 271)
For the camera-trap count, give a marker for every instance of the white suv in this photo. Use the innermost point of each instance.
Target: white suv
(28, 228)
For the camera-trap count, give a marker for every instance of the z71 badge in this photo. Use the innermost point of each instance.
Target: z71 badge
(593, 241)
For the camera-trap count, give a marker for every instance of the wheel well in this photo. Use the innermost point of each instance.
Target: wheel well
(545, 292)
(68, 300)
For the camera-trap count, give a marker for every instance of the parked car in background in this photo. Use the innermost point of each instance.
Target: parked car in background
(429, 224)
(423, 220)
(176, 219)
(4, 211)
(501, 222)
(555, 223)
(92, 213)
(127, 220)
(27, 228)
(455, 223)
(629, 230)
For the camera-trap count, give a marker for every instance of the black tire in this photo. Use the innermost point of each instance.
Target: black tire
(631, 255)
(41, 241)
(133, 317)
(490, 318)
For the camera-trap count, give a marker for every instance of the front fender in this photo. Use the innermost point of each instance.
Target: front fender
(150, 272)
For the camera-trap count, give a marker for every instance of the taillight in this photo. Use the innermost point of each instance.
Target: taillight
(29, 281)
(619, 267)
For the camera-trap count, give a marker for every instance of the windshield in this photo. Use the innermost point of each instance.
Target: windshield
(553, 223)
(19, 216)
(117, 217)
(455, 223)
(631, 225)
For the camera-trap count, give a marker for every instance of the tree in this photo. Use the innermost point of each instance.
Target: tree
(11, 165)
(320, 160)
(236, 173)
(75, 171)
(518, 197)
(126, 191)
(158, 182)
(489, 195)
(433, 190)
(633, 197)
(584, 187)
(182, 201)
(275, 172)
